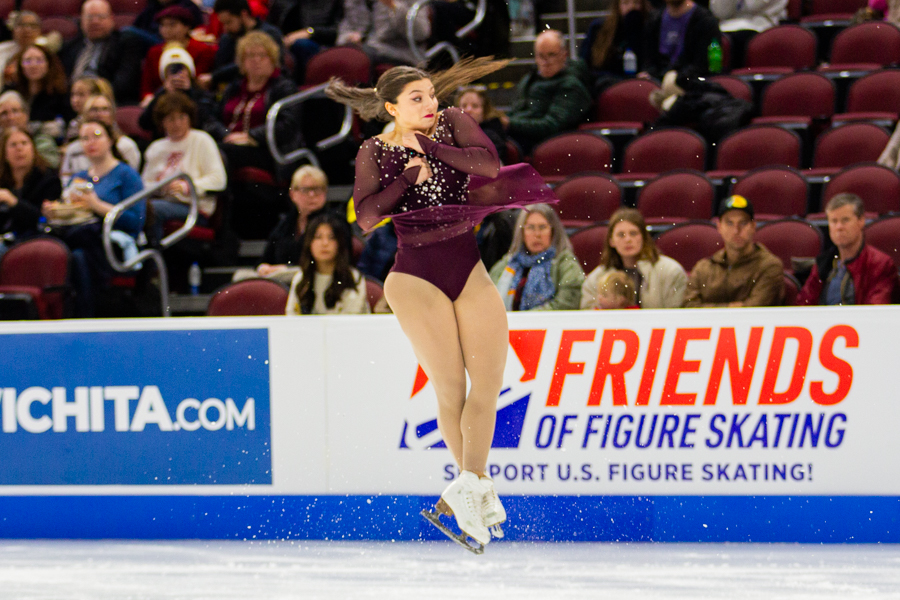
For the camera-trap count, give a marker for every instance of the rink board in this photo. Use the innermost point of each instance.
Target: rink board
(706, 425)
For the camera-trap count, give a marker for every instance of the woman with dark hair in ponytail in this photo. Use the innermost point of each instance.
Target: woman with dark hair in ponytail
(437, 175)
(326, 283)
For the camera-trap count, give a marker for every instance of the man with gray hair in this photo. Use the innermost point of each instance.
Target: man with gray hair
(552, 98)
(14, 113)
(850, 271)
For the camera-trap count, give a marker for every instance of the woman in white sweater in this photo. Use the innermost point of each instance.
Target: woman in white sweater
(183, 149)
(660, 281)
(326, 283)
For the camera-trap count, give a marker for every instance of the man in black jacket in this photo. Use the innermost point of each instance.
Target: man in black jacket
(678, 39)
(103, 51)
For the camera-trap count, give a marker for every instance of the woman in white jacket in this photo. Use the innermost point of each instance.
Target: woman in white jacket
(183, 149)
(659, 280)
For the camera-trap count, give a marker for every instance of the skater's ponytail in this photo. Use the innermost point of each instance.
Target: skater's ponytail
(369, 102)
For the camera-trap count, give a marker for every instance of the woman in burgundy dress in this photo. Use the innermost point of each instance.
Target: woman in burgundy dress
(437, 176)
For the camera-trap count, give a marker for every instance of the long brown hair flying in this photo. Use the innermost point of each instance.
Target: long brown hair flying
(369, 102)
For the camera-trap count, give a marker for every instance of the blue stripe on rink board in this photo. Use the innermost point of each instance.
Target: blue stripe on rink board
(805, 519)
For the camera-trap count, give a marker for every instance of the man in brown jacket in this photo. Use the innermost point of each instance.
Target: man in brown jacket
(743, 273)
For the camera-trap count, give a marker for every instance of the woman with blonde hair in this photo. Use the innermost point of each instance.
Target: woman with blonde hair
(540, 271)
(659, 280)
(437, 176)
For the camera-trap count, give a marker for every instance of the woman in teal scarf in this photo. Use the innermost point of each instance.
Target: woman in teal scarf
(540, 271)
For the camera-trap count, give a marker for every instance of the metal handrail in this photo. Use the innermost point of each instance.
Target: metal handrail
(413, 13)
(313, 92)
(153, 254)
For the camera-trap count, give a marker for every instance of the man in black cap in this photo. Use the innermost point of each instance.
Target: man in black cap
(743, 273)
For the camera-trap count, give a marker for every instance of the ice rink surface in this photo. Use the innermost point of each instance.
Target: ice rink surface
(308, 570)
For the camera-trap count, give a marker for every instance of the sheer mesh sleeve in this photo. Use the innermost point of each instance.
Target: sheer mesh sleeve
(475, 154)
(372, 202)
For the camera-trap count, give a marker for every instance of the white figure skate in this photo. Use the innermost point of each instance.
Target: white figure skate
(494, 513)
(464, 500)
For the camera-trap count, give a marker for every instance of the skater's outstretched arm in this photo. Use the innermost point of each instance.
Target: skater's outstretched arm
(475, 153)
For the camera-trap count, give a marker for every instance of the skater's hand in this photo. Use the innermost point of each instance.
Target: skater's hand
(409, 140)
(424, 172)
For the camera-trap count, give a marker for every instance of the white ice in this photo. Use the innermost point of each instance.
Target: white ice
(197, 570)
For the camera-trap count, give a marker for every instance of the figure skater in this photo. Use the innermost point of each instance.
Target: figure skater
(437, 175)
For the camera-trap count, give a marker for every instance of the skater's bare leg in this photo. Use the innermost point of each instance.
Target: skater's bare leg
(428, 319)
(483, 335)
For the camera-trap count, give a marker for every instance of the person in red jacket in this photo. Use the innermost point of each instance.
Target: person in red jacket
(851, 271)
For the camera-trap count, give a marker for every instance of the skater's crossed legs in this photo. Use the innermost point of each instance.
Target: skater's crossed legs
(450, 338)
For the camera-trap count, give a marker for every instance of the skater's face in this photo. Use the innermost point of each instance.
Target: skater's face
(537, 233)
(308, 195)
(324, 247)
(416, 107)
(627, 239)
(472, 104)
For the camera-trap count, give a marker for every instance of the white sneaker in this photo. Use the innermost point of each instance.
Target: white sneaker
(465, 497)
(494, 513)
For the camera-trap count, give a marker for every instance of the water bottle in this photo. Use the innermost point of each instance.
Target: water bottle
(715, 56)
(629, 62)
(194, 278)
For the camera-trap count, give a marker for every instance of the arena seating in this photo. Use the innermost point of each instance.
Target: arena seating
(250, 297)
(587, 199)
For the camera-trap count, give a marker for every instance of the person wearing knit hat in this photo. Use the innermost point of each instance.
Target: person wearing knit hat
(175, 25)
(176, 56)
(178, 72)
(743, 273)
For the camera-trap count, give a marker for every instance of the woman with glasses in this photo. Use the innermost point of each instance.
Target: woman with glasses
(42, 82)
(184, 149)
(14, 113)
(99, 108)
(540, 271)
(26, 28)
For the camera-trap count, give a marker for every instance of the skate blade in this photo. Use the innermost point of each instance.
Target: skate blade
(460, 538)
(496, 531)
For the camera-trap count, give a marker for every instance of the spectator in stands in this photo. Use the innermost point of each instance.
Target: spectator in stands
(850, 271)
(659, 281)
(743, 273)
(103, 109)
(175, 25)
(241, 128)
(105, 183)
(678, 39)
(82, 89)
(380, 27)
(742, 19)
(149, 20)
(540, 271)
(607, 40)
(474, 101)
(615, 289)
(42, 83)
(26, 182)
(13, 113)
(184, 149)
(552, 98)
(176, 68)
(890, 156)
(102, 51)
(326, 283)
(26, 28)
(237, 20)
(307, 27)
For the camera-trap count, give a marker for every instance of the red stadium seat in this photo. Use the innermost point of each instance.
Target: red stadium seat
(571, 153)
(676, 197)
(756, 146)
(778, 51)
(66, 26)
(874, 98)
(588, 245)
(792, 289)
(877, 185)
(39, 269)
(587, 199)
(249, 297)
(790, 238)
(687, 243)
(846, 145)
(797, 100)
(624, 108)
(734, 86)
(127, 119)
(54, 8)
(828, 11)
(864, 47)
(663, 150)
(775, 192)
(884, 234)
(347, 62)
